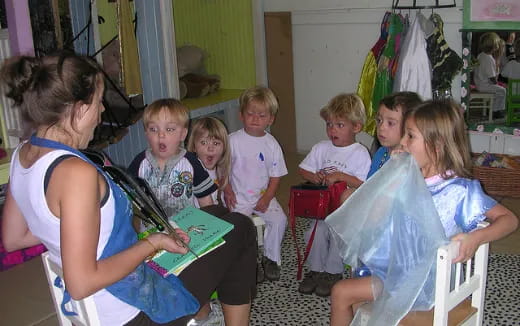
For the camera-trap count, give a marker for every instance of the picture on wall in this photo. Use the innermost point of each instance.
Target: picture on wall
(495, 10)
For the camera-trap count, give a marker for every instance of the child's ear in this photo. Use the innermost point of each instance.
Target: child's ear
(184, 133)
(272, 119)
(358, 126)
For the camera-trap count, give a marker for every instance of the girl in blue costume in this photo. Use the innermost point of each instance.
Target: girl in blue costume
(58, 197)
(435, 136)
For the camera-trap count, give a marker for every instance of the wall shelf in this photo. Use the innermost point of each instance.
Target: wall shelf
(223, 103)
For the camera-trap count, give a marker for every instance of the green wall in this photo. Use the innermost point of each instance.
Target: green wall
(108, 29)
(224, 29)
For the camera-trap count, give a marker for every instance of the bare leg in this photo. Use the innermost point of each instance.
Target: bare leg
(236, 315)
(203, 312)
(344, 295)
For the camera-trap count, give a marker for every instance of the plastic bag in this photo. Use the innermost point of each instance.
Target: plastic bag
(391, 225)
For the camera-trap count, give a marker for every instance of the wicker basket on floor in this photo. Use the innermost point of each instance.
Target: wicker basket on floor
(498, 181)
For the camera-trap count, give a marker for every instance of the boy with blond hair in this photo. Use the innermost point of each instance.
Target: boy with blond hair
(340, 158)
(257, 164)
(176, 176)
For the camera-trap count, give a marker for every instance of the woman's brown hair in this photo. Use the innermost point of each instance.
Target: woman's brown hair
(46, 88)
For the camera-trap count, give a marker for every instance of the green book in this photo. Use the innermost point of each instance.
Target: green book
(205, 231)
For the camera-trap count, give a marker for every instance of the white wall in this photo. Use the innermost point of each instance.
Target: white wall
(331, 39)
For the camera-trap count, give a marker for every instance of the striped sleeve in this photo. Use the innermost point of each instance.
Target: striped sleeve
(203, 184)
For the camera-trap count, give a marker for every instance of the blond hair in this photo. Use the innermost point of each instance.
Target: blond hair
(217, 130)
(259, 94)
(442, 126)
(347, 106)
(170, 106)
(489, 42)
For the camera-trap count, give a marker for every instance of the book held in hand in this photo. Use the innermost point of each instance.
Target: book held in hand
(205, 231)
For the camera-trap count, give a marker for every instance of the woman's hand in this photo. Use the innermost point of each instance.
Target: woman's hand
(168, 243)
(468, 246)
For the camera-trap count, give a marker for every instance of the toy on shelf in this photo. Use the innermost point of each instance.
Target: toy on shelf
(497, 161)
(194, 81)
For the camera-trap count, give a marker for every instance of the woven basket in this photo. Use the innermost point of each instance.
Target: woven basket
(498, 181)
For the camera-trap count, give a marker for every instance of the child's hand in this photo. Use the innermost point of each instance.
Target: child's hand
(230, 198)
(332, 178)
(262, 204)
(397, 150)
(317, 178)
(468, 246)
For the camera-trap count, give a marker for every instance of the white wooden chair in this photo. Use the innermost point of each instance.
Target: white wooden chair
(259, 224)
(453, 305)
(481, 101)
(84, 311)
(459, 290)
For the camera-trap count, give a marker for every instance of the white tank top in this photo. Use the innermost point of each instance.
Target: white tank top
(27, 188)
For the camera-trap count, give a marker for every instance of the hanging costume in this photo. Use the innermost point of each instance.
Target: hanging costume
(385, 66)
(414, 72)
(368, 77)
(445, 62)
(398, 241)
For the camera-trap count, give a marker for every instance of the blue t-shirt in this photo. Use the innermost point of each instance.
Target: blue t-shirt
(380, 157)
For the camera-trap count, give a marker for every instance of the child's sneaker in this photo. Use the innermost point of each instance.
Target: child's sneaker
(309, 283)
(215, 317)
(271, 269)
(325, 283)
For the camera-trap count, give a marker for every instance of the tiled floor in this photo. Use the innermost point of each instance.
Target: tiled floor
(25, 298)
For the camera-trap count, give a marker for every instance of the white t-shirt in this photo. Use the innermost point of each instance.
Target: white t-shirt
(353, 159)
(213, 176)
(485, 70)
(512, 70)
(253, 161)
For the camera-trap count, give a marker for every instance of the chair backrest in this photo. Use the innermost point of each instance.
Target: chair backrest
(513, 101)
(457, 282)
(83, 312)
(513, 91)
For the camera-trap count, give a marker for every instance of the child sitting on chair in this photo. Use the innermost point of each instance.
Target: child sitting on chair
(389, 124)
(257, 165)
(486, 73)
(209, 140)
(435, 136)
(176, 176)
(340, 158)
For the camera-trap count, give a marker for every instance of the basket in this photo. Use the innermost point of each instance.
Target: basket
(498, 181)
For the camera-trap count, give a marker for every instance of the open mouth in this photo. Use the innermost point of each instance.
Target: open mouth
(162, 147)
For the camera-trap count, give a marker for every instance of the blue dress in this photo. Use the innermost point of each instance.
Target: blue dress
(394, 224)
